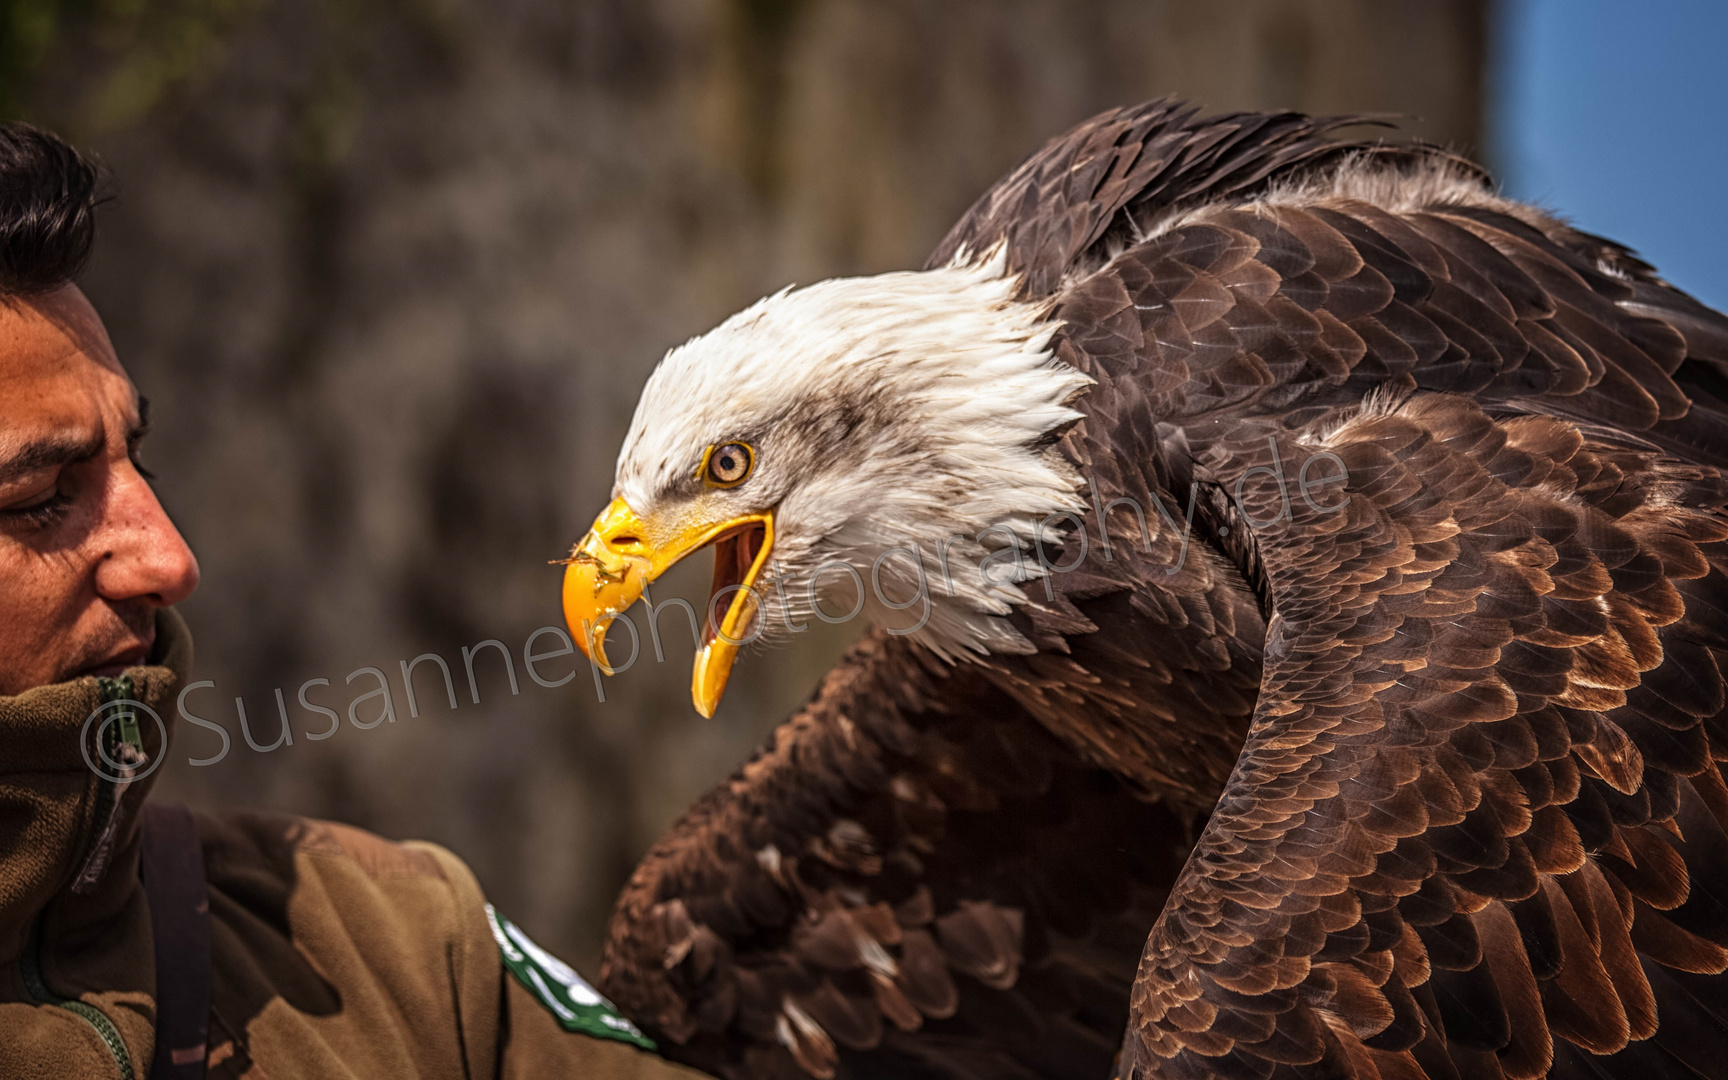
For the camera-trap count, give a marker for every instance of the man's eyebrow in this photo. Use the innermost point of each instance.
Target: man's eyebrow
(50, 453)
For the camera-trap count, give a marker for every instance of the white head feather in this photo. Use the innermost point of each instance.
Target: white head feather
(889, 414)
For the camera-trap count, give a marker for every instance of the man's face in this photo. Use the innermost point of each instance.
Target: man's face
(86, 553)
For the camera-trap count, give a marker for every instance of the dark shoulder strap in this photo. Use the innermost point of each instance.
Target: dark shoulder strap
(172, 866)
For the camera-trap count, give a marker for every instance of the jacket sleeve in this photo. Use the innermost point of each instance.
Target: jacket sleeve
(525, 1014)
(535, 1045)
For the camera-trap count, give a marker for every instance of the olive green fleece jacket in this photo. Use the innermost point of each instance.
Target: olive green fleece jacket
(334, 953)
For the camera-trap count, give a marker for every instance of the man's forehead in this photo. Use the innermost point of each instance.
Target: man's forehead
(55, 325)
(58, 372)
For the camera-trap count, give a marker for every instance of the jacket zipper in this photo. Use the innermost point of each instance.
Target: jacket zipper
(123, 749)
(107, 799)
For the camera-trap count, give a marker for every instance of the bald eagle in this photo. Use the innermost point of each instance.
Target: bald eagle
(1318, 666)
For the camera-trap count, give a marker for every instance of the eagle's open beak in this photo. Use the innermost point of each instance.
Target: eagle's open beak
(622, 553)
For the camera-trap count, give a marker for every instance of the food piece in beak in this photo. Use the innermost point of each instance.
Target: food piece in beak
(621, 554)
(604, 574)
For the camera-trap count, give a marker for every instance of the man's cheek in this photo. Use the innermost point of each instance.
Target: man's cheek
(39, 624)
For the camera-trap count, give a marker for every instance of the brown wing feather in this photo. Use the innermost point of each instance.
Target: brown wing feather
(1292, 309)
(913, 879)
(1087, 192)
(1481, 778)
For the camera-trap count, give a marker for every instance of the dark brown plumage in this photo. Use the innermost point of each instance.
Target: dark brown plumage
(913, 812)
(1455, 720)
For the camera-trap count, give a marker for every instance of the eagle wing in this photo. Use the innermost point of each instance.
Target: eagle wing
(1097, 187)
(1478, 824)
(913, 878)
(1477, 828)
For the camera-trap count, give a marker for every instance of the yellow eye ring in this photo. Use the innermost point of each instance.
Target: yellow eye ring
(728, 464)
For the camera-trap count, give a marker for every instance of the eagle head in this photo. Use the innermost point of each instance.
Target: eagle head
(881, 446)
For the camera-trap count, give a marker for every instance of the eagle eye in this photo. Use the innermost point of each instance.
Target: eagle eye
(729, 464)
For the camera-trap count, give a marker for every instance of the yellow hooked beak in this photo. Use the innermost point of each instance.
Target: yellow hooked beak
(622, 553)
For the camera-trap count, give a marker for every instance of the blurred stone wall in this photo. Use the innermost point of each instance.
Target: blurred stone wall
(393, 272)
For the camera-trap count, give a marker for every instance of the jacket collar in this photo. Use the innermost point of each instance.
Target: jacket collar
(68, 806)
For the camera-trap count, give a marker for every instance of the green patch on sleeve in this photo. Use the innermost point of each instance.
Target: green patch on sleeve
(555, 984)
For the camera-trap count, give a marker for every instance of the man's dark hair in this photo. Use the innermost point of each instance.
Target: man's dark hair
(48, 196)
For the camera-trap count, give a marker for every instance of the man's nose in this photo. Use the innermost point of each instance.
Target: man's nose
(146, 558)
